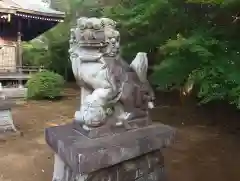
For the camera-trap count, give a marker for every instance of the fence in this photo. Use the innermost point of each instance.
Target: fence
(18, 72)
(20, 69)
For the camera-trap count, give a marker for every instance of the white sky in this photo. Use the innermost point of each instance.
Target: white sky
(25, 3)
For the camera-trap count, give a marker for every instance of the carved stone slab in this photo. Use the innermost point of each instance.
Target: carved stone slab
(84, 155)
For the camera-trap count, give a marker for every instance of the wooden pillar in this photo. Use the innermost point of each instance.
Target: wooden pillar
(19, 52)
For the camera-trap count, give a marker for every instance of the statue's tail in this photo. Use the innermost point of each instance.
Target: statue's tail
(140, 66)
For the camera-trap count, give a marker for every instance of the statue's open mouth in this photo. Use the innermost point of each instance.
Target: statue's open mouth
(90, 57)
(93, 44)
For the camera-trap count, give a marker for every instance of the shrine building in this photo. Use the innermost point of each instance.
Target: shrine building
(22, 20)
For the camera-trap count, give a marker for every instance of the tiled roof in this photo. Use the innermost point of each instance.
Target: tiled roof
(25, 6)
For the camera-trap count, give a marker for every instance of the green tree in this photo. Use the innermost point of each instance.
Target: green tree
(186, 41)
(194, 40)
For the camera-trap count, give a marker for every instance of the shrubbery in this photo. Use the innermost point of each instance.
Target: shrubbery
(45, 85)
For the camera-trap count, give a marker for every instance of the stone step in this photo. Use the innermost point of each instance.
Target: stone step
(13, 92)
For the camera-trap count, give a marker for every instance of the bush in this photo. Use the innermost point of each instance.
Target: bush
(45, 85)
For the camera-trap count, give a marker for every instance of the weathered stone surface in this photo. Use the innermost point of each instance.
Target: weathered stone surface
(110, 130)
(112, 137)
(6, 104)
(84, 155)
(6, 121)
(149, 167)
(14, 93)
(112, 91)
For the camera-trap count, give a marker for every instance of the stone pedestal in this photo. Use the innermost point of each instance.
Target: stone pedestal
(14, 93)
(6, 122)
(125, 156)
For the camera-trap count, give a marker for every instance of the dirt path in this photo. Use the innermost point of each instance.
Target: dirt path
(204, 150)
(28, 158)
(200, 153)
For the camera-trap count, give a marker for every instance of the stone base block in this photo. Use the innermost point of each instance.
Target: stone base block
(6, 122)
(84, 155)
(149, 167)
(14, 93)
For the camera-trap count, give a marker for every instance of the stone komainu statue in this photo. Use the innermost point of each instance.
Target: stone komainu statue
(112, 91)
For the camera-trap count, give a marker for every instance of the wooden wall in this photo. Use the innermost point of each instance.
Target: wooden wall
(7, 55)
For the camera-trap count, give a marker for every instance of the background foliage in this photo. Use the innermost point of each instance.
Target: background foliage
(186, 41)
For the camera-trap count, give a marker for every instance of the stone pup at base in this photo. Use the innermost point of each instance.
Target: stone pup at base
(112, 137)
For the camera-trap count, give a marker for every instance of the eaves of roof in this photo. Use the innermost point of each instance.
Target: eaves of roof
(22, 6)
